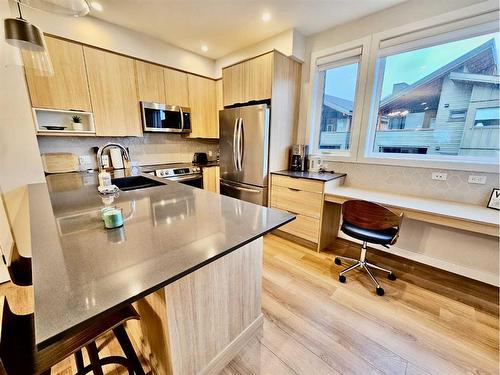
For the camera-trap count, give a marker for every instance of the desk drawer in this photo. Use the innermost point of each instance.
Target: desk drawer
(297, 201)
(304, 227)
(298, 183)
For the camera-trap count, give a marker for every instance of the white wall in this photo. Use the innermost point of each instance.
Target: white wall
(20, 162)
(115, 38)
(290, 42)
(458, 251)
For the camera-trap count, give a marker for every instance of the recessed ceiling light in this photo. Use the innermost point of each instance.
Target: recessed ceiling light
(96, 6)
(204, 48)
(266, 16)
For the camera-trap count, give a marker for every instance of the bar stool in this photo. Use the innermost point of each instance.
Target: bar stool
(18, 352)
(370, 223)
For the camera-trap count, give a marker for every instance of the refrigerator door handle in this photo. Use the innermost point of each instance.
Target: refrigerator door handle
(241, 145)
(235, 147)
(240, 188)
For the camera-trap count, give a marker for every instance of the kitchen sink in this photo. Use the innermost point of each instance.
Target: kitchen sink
(135, 182)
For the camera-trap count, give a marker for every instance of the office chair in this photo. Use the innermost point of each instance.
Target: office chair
(370, 223)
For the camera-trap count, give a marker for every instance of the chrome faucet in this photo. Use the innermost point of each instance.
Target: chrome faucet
(108, 145)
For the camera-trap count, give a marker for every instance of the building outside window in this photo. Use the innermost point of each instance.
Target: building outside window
(440, 100)
(337, 107)
(487, 117)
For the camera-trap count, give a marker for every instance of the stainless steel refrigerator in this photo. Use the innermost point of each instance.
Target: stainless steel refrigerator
(244, 152)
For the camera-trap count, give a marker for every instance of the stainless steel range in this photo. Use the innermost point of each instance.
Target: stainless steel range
(184, 173)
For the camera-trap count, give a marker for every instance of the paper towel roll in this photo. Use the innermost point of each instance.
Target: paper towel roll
(116, 158)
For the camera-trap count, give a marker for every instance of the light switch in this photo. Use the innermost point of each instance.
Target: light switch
(440, 176)
(477, 179)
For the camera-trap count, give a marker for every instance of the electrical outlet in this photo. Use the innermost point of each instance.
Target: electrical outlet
(477, 179)
(85, 160)
(210, 153)
(440, 176)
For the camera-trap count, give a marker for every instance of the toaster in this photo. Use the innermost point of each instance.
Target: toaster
(200, 158)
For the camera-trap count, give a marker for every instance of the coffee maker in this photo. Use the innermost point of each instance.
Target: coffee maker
(299, 158)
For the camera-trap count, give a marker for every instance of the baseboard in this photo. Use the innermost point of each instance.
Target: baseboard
(300, 241)
(217, 364)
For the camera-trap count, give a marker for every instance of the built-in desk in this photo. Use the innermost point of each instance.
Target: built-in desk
(452, 214)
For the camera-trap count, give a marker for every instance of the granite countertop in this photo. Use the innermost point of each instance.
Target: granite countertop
(81, 270)
(319, 176)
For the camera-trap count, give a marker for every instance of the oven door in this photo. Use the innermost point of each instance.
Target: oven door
(194, 180)
(157, 117)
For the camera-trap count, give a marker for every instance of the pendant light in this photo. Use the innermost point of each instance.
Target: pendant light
(76, 8)
(31, 42)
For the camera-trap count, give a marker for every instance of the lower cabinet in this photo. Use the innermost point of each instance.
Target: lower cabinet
(304, 199)
(211, 177)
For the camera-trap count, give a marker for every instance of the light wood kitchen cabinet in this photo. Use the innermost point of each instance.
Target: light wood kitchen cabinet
(150, 82)
(219, 96)
(203, 104)
(304, 198)
(176, 87)
(211, 177)
(233, 82)
(258, 77)
(249, 80)
(68, 88)
(113, 90)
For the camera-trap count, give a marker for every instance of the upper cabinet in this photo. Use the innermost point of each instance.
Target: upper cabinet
(68, 88)
(176, 87)
(233, 82)
(258, 77)
(114, 93)
(150, 82)
(250, 80)
(203, 104)
(106, 88)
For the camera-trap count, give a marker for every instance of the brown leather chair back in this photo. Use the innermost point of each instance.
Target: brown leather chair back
(369, 215)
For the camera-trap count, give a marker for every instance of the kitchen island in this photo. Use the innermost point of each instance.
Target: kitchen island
(189, 260)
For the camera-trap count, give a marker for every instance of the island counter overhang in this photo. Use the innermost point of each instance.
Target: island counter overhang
(180, 249)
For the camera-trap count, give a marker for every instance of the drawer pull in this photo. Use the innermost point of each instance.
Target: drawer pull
(293, 189)
(291, 212)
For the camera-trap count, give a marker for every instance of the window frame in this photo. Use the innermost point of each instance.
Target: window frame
(341, 55)
(425, 34)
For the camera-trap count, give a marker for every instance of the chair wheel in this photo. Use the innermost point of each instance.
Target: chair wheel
(338, 262)
(391, 276)
(380, 291)
(342, 278)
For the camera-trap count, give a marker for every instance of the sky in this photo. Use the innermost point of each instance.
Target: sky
(406, 67)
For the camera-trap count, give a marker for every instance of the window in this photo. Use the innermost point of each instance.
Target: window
(457, 115)
(337, 106)
(487, 117)
(423, 95)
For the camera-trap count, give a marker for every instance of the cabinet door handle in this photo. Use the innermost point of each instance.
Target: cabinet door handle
(291, 212)
(293, 189)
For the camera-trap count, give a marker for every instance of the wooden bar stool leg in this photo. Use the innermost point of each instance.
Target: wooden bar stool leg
(94, 359)
(128, 349)
(79, 362)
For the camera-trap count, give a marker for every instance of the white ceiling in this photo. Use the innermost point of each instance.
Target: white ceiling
(228, 25)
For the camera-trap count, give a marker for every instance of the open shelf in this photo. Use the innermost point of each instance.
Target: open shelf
(55, 117)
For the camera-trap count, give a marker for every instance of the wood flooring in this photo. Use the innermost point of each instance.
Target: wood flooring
(428, 322)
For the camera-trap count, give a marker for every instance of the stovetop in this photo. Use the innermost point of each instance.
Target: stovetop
(171, 170)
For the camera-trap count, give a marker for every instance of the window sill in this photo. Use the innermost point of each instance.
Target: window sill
(459, 165)
(433, 163)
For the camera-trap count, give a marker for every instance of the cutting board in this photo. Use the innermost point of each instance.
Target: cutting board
(60, 162)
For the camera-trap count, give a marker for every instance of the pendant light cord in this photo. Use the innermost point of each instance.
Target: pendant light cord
(19, 9)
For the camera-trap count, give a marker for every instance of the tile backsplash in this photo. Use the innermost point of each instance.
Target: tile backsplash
(150, 149)
(417, 181)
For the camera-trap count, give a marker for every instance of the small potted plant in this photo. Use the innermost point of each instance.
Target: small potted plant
(77, 123)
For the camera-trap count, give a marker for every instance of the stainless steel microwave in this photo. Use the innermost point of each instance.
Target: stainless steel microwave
(157, 117)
